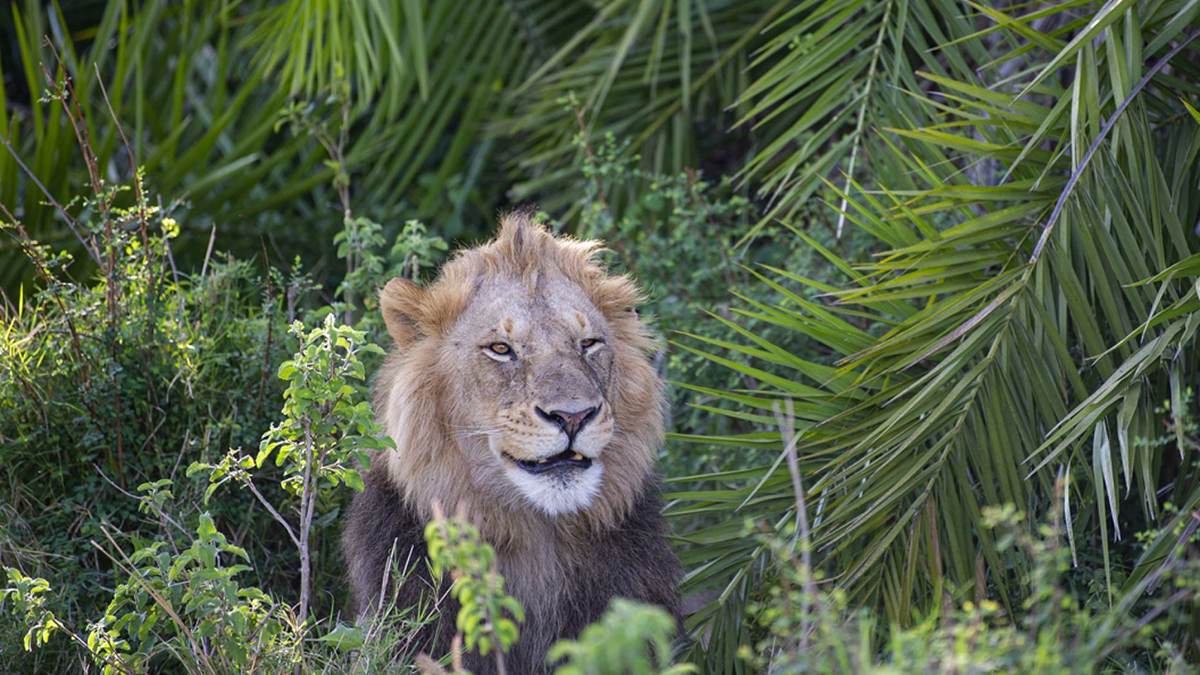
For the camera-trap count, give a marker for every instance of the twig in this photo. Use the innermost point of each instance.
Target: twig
(307, 502)
(78, 124)
(187, 436)
(387, 573)
(137, 183)
(787, 427)
(212, 238)
(262, 380)
(93, 254)
(273, 512)
(149, 502)
(587, 145)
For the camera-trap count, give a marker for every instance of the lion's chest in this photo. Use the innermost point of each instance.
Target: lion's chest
(541, 578)
(537, 575)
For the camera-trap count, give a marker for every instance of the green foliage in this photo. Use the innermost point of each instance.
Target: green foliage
(356, 38)
(414, 249)
(182, 604)
(1021, 320)
(488, 617)
(177, 596)
(636, 211)
(324, 437)
(187, 604)
(678, 234)
(198, 86)
(631, 639)
(29, 605)
(1003, 292)
(791, 89)
(805, 630)
(324, 427)
(119, 378)
(361, 245)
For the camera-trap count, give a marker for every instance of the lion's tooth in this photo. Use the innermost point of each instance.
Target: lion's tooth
(542, 460)
(577, 456)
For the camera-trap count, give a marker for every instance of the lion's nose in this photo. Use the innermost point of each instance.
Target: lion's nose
(570, 422)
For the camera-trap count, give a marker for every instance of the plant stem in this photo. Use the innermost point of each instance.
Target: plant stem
(499, 660)
(306, 496)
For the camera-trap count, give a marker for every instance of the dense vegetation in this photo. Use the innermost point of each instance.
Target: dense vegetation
(926, 274)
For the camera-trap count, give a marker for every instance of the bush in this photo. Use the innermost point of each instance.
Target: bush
(802, 628)
(179, 600)
(630, 639)
(321, 442)
(120, 381)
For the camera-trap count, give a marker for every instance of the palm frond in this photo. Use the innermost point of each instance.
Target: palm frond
(988, 362)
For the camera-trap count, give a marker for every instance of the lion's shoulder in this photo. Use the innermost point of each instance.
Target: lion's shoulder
(381, 527)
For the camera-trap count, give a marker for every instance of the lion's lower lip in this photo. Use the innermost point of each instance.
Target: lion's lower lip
(565, 459)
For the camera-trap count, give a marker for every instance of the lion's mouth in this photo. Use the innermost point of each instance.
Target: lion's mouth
(566, 458)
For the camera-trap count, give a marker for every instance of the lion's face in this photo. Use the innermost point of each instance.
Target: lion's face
(536, 365)
(520, 381)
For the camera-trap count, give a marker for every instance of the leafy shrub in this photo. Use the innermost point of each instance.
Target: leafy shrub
(488, 617)
(28, 599)
(183, 603)
(123, 379)
(631, 638)
(187, 605)
(323, 439)
(1052, 630)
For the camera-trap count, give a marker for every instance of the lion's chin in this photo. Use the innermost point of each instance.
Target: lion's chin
(566, 487)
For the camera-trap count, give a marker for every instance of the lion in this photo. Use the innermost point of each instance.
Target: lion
(519, 387)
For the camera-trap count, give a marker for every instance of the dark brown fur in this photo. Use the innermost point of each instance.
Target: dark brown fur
(633, 560)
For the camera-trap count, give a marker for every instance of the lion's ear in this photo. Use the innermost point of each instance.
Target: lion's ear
(402, 303)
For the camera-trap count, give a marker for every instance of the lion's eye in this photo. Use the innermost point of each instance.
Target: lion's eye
(589, 343)
(500, 348)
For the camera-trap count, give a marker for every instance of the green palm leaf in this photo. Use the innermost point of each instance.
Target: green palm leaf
(1024, 328)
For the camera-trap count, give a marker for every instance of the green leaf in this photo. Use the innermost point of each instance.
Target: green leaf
(344, 637)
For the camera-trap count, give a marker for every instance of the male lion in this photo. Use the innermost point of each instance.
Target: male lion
(519, 387)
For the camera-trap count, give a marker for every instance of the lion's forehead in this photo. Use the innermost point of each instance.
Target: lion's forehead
(550, 309)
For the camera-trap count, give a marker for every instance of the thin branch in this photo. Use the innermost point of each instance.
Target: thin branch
(149, 502)
(273, 512)
(587, 145)
(212, 239)
(787, 428)
(92, 253)
(137, 183)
